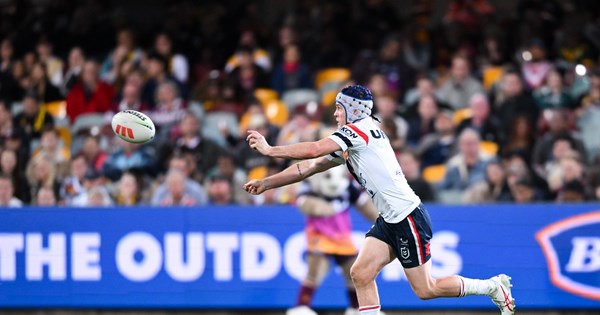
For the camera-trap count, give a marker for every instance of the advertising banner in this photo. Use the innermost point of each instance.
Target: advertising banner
(253, 257)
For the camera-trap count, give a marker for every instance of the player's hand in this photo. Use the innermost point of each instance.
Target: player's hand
(255, 187)
(258, 142)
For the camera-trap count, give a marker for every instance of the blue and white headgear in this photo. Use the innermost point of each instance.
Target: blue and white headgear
(357, 101)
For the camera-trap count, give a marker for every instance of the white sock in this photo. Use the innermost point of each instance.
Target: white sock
(476, 286)
(369, 310)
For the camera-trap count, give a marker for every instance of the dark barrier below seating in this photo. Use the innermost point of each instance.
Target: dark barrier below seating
(252, 257)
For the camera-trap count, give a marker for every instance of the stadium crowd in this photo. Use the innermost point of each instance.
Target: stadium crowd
(480, 105)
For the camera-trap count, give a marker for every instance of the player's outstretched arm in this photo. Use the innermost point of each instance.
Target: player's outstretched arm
(296, 151)
(292, 174)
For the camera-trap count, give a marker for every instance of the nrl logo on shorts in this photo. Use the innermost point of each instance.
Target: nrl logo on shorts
(572, 250)
(404, 252)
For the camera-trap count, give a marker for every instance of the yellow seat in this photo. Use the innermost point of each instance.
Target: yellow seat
(57, 109)
(258, 172)
(276, 112)
(264, 95)
(461, 115)
(328, 98)
(491, 75)
(331, 75)
(489, 147)
(65, 134)
(434, 173)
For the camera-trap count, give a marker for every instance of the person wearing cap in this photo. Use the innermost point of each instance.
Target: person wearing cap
(403, 228)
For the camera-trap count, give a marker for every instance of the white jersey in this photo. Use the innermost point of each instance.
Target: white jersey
(372, 162)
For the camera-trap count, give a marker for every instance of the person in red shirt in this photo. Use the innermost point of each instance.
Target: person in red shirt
(90, 94)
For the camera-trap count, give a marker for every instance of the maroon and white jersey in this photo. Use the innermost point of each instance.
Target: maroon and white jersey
(372, 162)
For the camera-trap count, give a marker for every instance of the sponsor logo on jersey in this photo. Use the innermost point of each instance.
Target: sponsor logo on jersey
(348, 132)
(572, 250)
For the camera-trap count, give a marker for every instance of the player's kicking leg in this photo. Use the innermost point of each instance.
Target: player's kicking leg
(498, 288)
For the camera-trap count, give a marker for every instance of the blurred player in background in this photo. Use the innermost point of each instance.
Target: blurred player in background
(403, 228)
(325, 199)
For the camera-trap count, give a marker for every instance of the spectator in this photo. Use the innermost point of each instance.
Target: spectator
(45, 197)
(33, 119)
(438, 147)
(411, 166)
(237, 177)
(129, 157)
(178, 64)
(54, 65)
(127, 191)
(40, 83)
(394, 126)
(592, 97)
(94, 156)
(188, 139)
(41, 172)
(468, 166)
(524, 191)
(573, 191)
(520, 138)
(6, 121)
(180, 167)
(247, 75)
(9, 167)
(423, 87)
(7, 199)
(461, 85)
(300, 127)
(90, 94)
(10, 90)
(553, 94)
(75, 65)
(248, 158)
(98, 197)
(481, 120)
(157, 73)
(169, 111)
(292, 72)
(131, 94)
(542, 151)
(421, 120)
(259, 56)
(125, 51)
(494, 188)
(176, 193)
(220, 191)
(51, 149)
(512, 101)
(72, 192)
(536, 66)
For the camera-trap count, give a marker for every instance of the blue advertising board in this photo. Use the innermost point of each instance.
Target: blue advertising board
(252, 257)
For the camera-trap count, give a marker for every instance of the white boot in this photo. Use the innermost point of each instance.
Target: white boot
(502, 296)
(300, 310)
(354, 311)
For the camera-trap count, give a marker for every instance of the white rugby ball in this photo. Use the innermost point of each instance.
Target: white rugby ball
(133, 126)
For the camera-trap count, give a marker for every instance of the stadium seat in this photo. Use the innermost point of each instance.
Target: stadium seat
(264, 95)
(328, 98)
(491, 75)
(434, 173)
(295, 97)
(276, 111)
(57, 109)
(331, 75)
(489, 147)
(258, 172)
(88, 122)
(65, 134)
(460, 115)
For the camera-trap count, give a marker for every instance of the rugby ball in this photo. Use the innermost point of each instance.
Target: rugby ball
(133, 126)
